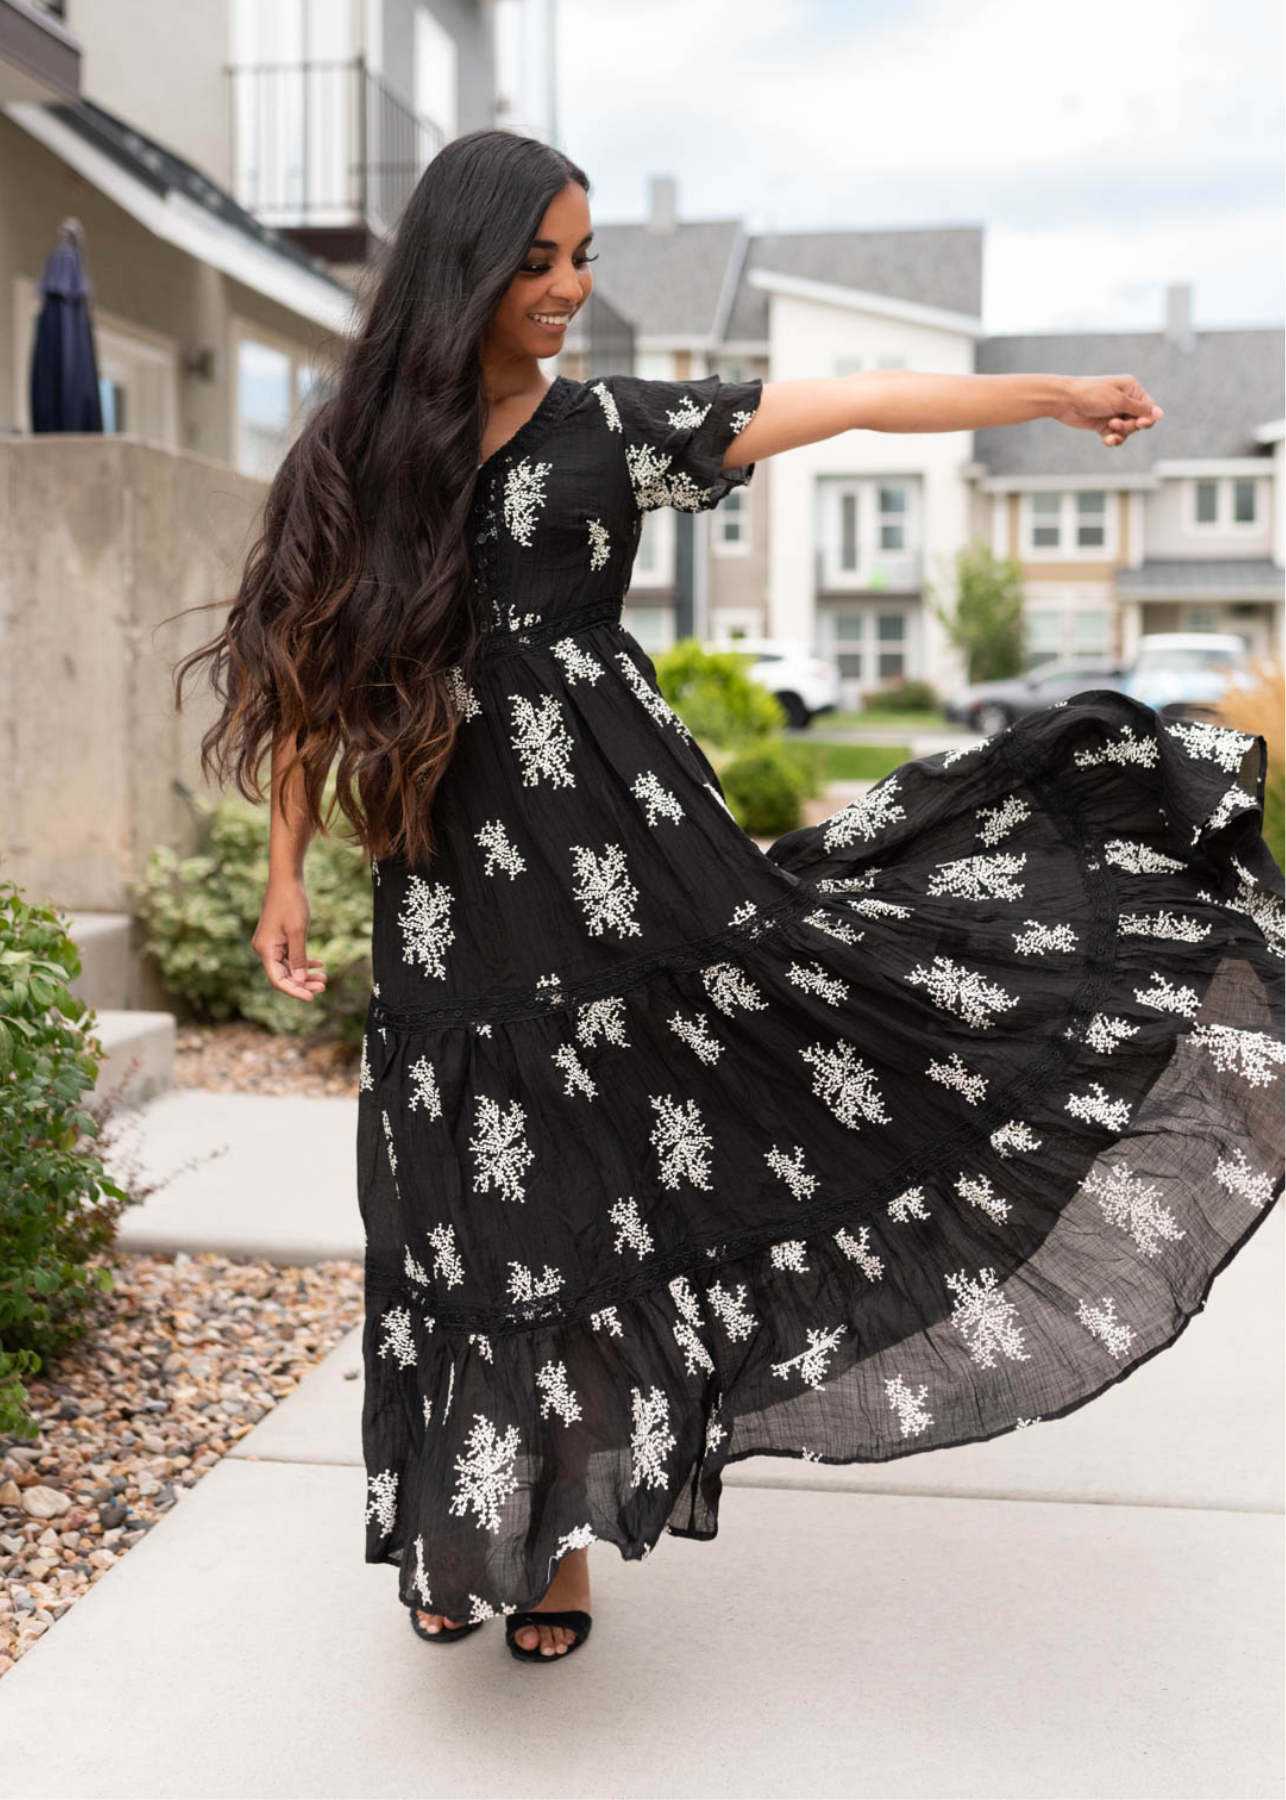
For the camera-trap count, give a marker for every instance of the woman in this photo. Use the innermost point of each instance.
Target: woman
(929, 1123)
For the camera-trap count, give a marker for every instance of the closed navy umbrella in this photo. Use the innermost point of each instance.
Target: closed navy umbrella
(64, 369)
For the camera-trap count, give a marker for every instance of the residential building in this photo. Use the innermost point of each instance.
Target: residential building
(851, 543)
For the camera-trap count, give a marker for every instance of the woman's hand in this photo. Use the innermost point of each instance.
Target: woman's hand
(1113, 405)
(281, 940)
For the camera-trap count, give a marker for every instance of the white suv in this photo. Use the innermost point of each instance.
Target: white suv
(805, 684)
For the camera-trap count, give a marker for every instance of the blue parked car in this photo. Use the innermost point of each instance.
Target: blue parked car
(1184, 674)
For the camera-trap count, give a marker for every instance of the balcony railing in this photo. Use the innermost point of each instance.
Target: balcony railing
(327, 151)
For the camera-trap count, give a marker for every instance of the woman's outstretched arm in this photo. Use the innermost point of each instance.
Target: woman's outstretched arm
(805, 411)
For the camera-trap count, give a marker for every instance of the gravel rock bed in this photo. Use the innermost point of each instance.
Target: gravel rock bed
(240, 1057)
(190, 1354)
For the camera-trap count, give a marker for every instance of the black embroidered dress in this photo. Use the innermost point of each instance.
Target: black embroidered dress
(928, 1124)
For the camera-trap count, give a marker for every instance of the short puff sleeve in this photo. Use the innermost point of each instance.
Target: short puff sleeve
(675, 435)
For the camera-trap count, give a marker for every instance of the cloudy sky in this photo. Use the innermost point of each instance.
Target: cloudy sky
(1108, 147)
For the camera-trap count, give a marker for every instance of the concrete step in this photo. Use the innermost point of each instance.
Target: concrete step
(139, 1049)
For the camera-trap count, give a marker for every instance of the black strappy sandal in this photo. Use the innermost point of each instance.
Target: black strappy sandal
(577, 1621)
(445, 1634)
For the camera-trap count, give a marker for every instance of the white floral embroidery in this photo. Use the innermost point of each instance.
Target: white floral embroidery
(365, 1077)
(845, 1083)
(1267, 911)
(575, 1074)
(730, 987)
(389, 1145)
(542, 741)
(604, 890)
(383, 1499)
(1249, 1054)
(792, 1171)
(695, 1354)
(653, 487)
(715, 1432)
(446, 1258)
(1164, 925)
(1039, 938)
(836, 928)
(525, 1285)
(651, 1437)
(732, 1310)
(866, 817)
(398, 1342)
(1103, 1323)
(420, 1581)
(413, 1270)
(426, 926)
(499, 852)
(1234, 801)
(986, 1320)
(909, 1204)
(1098, 1108)
(658, 801)
(955, 1074)
(607, 1319)
(608, 401)
(555, 1393)
(599, 544)
(858, 1249)
(688, 414)
(524, 497)
(1166, 997)
(812, 1362)
(681, 1142)
(602, 1018)
(980, 877)
(967, 992)
(741, 418)
(424, 1088)
(908, 1404)
(814, 980)
(578, 664)
(463, 697)
(789, 1254)
(953, 756)
(1217, 743)
(1001, 819)
(696, 1035)
(1236, 1175)
(1125, 748)
(1014, 1135)
(633, 1231)
(1105, 1031)
(1128, 1201)
(978, 1191)
(501, 1148)
(485, 1472)
(649, 697)
(1137, 858)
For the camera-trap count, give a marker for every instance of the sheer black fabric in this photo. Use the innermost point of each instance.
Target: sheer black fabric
(926, 1125)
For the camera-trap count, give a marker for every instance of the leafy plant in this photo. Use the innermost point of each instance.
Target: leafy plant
(987, 623)
(765, 786)
(1261, 709)
(199, 914)
(903, 696)
(58, 1207)
(713, 695)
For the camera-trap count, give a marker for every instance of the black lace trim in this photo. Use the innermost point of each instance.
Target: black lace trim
(626, 975)
(385, 1276)
(500, 642)
(555, 403)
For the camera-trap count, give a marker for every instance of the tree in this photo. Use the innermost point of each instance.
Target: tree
(987, 624)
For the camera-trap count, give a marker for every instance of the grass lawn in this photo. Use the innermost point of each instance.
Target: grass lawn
(862, 762)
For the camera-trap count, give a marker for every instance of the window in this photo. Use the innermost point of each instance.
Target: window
(872, 643)
(732, 521)
(847, 365)
(1090, 631)
(868, 532)
(1068, 523)
(892, 362)
(892, 502)
(274, 383)
(1224, 502)
(654, 564)
(653, 626)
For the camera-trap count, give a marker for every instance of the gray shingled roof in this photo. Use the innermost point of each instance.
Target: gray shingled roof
(667, 283)
(1213, 396)
(933, 266)
(1220, 577)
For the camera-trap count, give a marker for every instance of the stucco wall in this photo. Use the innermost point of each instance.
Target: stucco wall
(105, 539)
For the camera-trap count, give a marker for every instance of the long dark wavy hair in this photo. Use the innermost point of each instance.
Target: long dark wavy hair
(359, 593)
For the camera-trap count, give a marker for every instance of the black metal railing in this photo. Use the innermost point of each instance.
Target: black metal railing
(325, 144)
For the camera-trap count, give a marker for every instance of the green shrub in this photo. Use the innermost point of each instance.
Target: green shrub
(713, 695)
(764, 787)
(199, 914)
(58, 1209)
(903, 696)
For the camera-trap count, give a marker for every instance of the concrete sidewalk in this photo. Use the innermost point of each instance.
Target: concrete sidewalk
(1087, 1608)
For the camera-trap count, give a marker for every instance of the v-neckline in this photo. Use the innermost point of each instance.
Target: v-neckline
(517, 438)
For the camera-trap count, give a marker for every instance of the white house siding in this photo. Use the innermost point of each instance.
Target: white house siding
(809, 338)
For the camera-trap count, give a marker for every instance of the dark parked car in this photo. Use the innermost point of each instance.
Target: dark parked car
(991, 705)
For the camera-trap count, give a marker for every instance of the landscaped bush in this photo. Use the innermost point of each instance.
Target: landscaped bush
(765, 787)
(199, 913)
(1261, 709)
(58, 1208)
(715, 698)
(903, 696)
